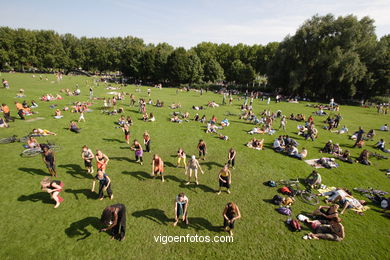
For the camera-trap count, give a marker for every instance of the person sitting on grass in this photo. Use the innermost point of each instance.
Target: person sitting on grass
(223, 137)
(176, 119)
(334, 231)
(53, 188)
(230, 214)
(278, 145)
(3, 124)
(181, 208)
(381, 146)
(121, 121)
(256, 144)
(370, 135)
(151, 118)
(225, 122)
(104, 184)
(57, 114)
(145, 117)
(73, 127)
(336, 150)
(345, 156)
(384, 128)
(302, 155)
(314, 180)
(32, 142)
(364, 157)
(328, 148)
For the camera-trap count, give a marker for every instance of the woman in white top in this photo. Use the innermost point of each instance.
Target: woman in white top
(193, 165)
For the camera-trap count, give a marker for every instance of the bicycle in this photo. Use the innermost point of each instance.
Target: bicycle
(31, 152)
(305, 195)
(376, 196)
(14, 138)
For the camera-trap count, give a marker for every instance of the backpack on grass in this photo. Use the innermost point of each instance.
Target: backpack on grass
(277, 200)
(295, 225)
(285, 190)
(284, 211)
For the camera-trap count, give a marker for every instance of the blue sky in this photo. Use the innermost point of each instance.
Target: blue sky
(185, 22)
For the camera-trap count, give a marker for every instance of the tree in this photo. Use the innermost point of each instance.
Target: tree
(213, 72)
(178, 65)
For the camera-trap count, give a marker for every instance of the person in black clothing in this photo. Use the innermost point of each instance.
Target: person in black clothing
(114, 219)
(337, 120)
(104, 184)
(49, 159)
(230, 214)
(359, 136)
(232, 157)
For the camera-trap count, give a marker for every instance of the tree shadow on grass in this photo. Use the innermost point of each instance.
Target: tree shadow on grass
(210, 164)
(79, 228)
(140, 175)
(113, 140)
(76, 171)
(44, 197)
(122, 159)
(86, 192)
(156, 215)
(33, 171)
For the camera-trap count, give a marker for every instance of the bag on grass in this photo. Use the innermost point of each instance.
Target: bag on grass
(284, 211)
(277, 200)
(271, 183)
(285, 190)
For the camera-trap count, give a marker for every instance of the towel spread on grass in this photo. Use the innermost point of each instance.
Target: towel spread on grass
(326, 190)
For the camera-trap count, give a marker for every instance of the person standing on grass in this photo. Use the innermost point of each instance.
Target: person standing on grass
(126, 131)
(147, 141)
(87, 156)
(158, 167)
(19, 108)
(202, 148)
(6, 113)
(53, 188)
(181, 156)
(101, 160)
(230, 214)
(49, 160)
(232, 157)
(114, 219)
(193, 165)
(104, 184)
(137, 148)
(181, 208)
(225, 179)
(81, 118)
(283, 123)
(359, 136)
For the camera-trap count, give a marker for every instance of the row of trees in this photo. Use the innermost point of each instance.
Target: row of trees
(326, 57)
(207, 62)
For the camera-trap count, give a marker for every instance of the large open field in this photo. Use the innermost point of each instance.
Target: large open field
(31, 228)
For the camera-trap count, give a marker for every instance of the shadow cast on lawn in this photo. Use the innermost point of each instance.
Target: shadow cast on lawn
(44, 197)
(210, 164)
(140, 175)
(113, 140)
(33, 171)
(122, 159)
(192, 186)
(156, 215)
(76, 171)
(86, 192)
(79, 228)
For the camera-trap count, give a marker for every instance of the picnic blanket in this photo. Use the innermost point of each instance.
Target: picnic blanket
(327, 163)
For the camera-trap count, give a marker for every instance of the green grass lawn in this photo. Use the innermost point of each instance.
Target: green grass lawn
(31, 228)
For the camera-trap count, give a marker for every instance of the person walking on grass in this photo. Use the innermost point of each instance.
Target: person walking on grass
(230, 214)
(87, 156)
(283, 123)
(193, 165)
(147, 141)
(49, 160)
(232, 157)
(137, 148)
(181, 156)
(104, 184)
(225, 179)
(81, 118)
(202, 149)
(53, 188)
(114, 219)
(158, 167)
(101, 160)
(181, 208)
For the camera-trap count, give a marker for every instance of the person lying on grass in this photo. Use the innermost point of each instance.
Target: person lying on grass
(352, 203)
(42, 132)
(335, 195)
(345, 156)
(326, 212)
(333, 232)
(3, 124)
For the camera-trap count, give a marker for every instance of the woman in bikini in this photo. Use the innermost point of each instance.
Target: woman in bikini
(157, 167)
(126, 131)
(137, 148)
(230, 214)
(53, 188)
(101, 160)
(193, 165)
